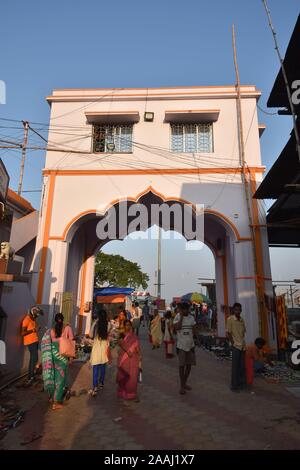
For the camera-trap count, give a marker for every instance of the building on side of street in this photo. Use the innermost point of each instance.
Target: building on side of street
(153, 146)
(5, 227)
(16, 290)
(282, 183)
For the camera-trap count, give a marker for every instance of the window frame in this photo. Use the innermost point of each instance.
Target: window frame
(197, 136)
(114, 125)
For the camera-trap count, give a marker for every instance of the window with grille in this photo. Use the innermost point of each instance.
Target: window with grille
(112, 138)
(190, 138)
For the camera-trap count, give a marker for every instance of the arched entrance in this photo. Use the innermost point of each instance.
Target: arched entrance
(83, 244)
(189, 152)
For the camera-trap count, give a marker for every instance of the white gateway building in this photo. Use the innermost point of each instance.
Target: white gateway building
(150, 146)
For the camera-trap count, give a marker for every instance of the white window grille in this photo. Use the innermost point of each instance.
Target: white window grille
(192, 138)
(112, 138)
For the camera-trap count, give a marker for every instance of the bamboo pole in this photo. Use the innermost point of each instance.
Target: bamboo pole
(246, 185)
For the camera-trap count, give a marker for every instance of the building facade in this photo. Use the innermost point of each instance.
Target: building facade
(152, 146)
(16, 286)
(282, 183)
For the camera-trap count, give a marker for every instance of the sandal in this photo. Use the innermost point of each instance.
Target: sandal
(57, 406)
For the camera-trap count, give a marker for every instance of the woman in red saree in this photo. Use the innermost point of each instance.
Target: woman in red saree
(128, 364)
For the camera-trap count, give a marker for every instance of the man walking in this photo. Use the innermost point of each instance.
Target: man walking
(209, 318)
(29, 333)
(184, 325)
(145, 314)
(136, 318)
(235, 329)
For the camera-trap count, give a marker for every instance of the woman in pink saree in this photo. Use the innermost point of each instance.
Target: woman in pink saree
(128, 364)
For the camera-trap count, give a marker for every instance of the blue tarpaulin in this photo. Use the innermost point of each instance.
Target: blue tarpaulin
(113, 291)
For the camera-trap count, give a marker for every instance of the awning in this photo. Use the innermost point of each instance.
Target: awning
(285, 170)
(110, 299)
(284, 237)
(112, 117)
(278, 96)
(101, 291)
(192, 115)
(283, 221)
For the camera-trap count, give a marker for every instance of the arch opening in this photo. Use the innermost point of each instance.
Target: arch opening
(84, 243)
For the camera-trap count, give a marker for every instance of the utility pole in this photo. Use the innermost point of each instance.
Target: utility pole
(24, 145)
(159, 264)
(285, 78)
(292, 295)
(246, 185)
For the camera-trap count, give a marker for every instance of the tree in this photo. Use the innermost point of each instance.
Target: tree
(118, 271)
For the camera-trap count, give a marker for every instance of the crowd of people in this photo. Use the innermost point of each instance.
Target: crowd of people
(116, 341)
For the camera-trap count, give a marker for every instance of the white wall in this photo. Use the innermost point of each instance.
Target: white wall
(16, 302)
(82, 192)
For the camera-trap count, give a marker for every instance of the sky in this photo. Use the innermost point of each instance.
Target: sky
(95, 43)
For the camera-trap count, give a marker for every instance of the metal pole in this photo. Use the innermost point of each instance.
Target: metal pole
(291, 292)
(159, 264)
(25, 139)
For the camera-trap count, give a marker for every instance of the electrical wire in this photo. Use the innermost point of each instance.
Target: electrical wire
(160, 151)
(97, 100)
(187, 159)
(266, 112)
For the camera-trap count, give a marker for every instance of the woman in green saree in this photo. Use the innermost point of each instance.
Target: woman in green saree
(54, 364)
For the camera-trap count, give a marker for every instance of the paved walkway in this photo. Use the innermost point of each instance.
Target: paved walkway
(208, 417)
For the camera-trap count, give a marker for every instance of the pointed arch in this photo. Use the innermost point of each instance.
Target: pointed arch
(135, 199)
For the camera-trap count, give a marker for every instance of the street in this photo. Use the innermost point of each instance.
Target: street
(208, 417)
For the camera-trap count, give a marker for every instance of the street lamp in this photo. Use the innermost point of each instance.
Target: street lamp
(148, 117)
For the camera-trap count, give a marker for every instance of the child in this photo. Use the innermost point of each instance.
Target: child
(100, 351)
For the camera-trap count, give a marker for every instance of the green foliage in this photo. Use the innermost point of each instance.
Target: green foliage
(118, 271)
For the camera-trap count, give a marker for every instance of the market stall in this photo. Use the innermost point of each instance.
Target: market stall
(111, 298)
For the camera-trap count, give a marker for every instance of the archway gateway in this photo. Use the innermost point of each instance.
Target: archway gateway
(187, 155)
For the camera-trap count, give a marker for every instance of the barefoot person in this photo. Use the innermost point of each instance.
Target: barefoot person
(128, 364)
(184, 325)
(55, 365)
(256, 359)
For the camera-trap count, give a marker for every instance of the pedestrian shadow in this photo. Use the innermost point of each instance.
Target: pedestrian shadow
(73, 373)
